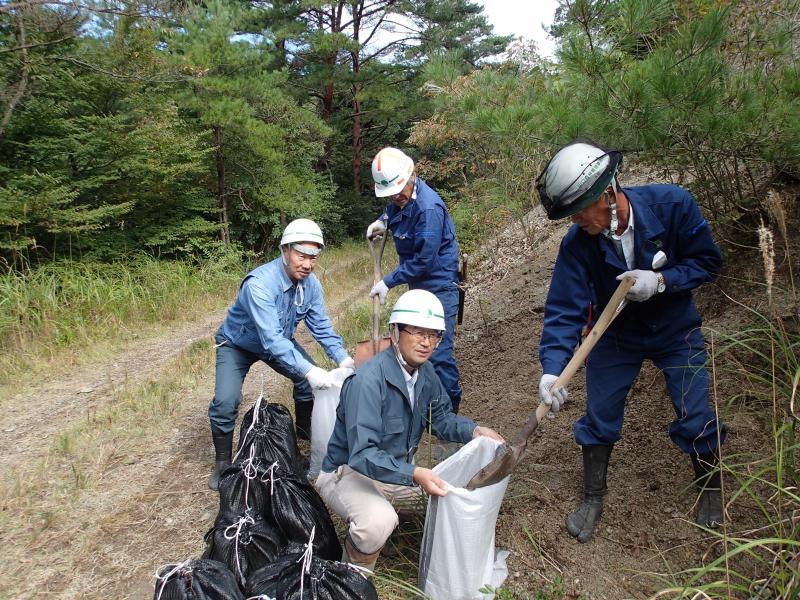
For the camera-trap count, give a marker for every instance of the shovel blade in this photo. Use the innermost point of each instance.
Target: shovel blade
(365, 350)
(501, 467)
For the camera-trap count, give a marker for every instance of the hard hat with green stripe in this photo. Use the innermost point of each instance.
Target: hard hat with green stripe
(419, 308)
(391, 170)
(302, 230)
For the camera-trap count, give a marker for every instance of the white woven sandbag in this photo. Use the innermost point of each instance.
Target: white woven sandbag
(323, 418)
(458, 556)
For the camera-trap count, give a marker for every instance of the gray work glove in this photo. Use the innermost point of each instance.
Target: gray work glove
(319, 379)
(376, 228)
(554, 398)
(644, 288)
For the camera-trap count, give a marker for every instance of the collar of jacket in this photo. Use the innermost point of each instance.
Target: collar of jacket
(647, 227)
(394, 376)
(286, 283)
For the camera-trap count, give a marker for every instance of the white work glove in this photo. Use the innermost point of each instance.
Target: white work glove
(375, 228)
(645, 286)
(553, 398)
(347, 363)
(319, 379)
(380, 290)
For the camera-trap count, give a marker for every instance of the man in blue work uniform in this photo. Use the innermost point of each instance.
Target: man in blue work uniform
(656, 234)
(383, 411)
(260, 325)
(425, 239)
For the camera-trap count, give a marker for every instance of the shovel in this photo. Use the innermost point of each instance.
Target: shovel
(507, 457)
(369, 348)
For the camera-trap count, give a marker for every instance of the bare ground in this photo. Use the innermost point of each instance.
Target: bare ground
(143, 502)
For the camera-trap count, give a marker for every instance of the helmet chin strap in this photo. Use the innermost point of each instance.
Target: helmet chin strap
(395, 337)
(612, 227)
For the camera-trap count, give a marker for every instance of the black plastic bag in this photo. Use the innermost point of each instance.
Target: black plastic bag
(245, 485)
(243, 542)
(202, 579)
(296, 510)
(321, 580)
(269, 429)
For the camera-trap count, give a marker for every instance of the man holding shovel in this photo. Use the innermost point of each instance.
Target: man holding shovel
(655, 234)
(384, 409)
(260, 325)
(425, 239)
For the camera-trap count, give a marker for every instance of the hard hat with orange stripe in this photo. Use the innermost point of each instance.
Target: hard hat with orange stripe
(391, 170)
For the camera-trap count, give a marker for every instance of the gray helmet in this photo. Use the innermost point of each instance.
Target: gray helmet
(575, 177)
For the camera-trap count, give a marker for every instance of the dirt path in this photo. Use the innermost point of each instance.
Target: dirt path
(67, 400)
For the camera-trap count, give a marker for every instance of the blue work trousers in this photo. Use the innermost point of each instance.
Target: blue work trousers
(233, 363)
(614, 364)
(442, 359)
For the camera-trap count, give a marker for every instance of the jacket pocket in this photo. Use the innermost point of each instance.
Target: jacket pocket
(393, 425)
(404, 244)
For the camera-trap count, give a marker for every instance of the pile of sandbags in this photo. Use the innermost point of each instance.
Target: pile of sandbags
(273, 533)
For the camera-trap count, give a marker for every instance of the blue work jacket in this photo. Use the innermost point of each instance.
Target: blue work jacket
(425, 239)
(377, 433)
(666, 218)
(265, 315)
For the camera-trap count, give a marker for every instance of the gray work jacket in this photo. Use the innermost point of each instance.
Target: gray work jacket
(376, 432)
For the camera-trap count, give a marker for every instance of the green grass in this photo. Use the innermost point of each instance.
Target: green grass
(80, 309)
(763, 562)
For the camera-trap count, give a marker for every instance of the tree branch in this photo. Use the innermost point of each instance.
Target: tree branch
(23, 82)
(37, 44)
(97, 69)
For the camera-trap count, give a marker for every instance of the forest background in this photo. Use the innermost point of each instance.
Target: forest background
(154, 150)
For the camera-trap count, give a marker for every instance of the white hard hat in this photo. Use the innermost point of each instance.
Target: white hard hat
(391, 170)
(575, 177)
(302, 230)
(419, 308)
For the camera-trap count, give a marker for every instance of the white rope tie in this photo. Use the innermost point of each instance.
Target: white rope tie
(250, 471)
(164, 578)
(271, 472)
(245, 520)
(305, 567)
(256, 411)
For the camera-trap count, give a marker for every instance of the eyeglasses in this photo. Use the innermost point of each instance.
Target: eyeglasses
(423, 334)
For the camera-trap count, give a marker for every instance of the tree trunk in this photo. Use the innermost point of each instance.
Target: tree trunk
(357, 139)
(219, 156)
(355, 89)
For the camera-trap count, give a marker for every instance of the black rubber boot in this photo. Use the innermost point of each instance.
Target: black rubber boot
(302, 419)
(223, 445)
(708, 479)
(580, 522)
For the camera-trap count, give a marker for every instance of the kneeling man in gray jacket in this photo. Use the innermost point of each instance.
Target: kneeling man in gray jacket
(384, 409)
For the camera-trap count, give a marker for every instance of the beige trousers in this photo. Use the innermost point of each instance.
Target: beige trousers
(367, 505)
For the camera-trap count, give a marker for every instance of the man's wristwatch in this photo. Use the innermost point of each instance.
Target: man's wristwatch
(662, 283)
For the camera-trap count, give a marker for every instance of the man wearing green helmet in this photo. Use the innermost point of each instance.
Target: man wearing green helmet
(657, 235)
(383, 411)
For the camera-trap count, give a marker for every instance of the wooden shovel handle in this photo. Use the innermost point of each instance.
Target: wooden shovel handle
(610, 312)
(377, 256)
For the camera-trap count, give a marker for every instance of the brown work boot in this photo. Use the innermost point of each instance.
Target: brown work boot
(354, 556)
